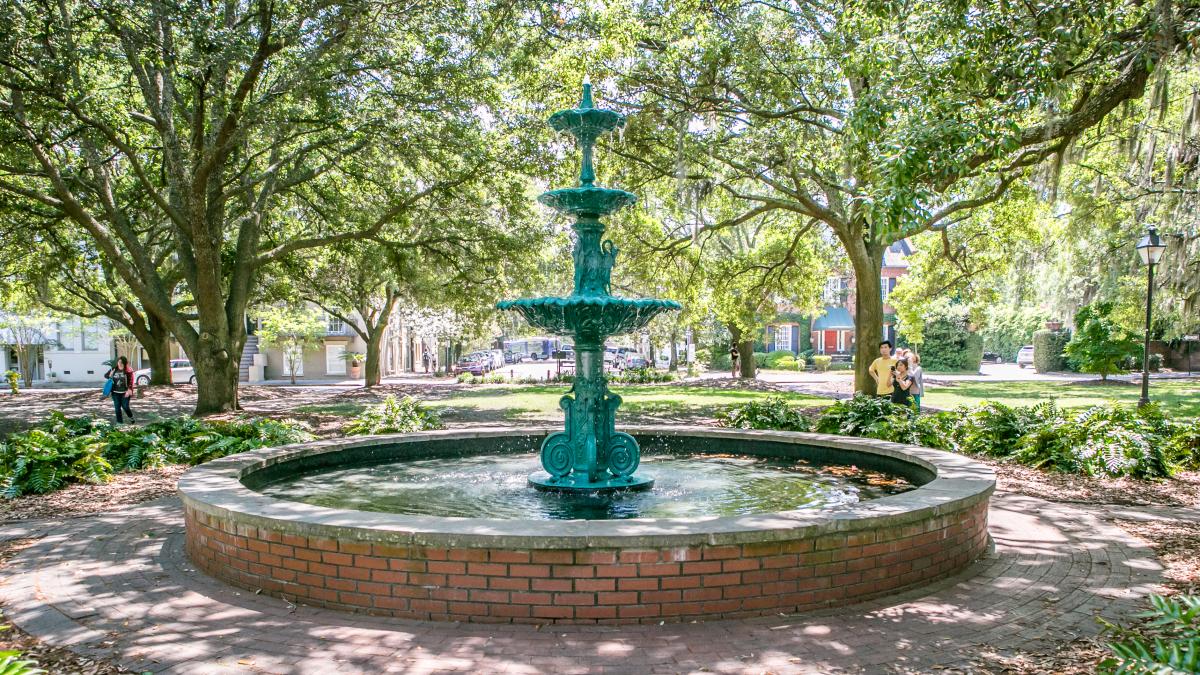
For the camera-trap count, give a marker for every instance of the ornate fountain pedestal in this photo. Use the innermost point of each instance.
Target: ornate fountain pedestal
(590, 455)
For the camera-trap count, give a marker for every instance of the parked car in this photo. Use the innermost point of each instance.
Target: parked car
(992, 357)
(181, 371)
(1025, 356)
(475, 363)
(636, 360)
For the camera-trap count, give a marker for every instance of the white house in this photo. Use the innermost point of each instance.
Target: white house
(69, 350)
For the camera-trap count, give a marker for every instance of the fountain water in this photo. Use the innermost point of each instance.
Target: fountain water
(590, 455)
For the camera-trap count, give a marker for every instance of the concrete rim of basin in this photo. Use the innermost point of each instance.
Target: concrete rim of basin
(216, 488)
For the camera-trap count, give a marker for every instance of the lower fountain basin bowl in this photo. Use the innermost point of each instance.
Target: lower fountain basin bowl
(585, 571)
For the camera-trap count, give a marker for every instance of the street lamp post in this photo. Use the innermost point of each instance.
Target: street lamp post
(1150, 248)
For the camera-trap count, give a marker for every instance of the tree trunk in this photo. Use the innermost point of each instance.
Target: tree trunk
(372, 370)
(746, 364)
(674, 367)
(216, 380)
(867, 260)
(158, 350)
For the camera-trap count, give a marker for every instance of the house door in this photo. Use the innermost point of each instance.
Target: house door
(334, 363)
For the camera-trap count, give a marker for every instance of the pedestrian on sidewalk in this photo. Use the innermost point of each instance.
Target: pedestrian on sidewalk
(881, 368)
(918, 378)
(425, 360)
(733, 359)
(122, 388)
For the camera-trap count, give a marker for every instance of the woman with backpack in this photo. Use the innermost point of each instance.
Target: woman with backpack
(121, 377)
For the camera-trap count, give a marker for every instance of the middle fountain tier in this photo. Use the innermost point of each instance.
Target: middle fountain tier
(590, 455)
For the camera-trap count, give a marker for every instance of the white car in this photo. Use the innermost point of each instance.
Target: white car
(1025, 356)
(181, 371)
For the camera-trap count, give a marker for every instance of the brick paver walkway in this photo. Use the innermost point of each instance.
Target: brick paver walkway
(119, 586)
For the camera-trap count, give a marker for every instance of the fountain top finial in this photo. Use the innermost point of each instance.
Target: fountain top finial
(585, 102)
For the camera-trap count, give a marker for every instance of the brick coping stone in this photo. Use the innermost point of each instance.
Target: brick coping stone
(621, 571)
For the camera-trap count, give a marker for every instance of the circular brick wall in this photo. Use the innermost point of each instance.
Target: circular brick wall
(644, 570)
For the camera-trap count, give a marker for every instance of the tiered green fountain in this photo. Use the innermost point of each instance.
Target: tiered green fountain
(590, 455)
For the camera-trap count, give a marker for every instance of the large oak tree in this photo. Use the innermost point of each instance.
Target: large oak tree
(221, 115)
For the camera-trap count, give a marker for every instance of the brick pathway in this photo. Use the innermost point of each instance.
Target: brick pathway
(119, 586)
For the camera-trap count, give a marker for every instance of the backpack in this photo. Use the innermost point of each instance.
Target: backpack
(120, 382)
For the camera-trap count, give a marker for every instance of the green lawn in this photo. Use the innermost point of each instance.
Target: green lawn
(542, 400)
(1179, 398)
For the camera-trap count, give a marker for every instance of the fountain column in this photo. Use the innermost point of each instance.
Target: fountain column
(589, 454)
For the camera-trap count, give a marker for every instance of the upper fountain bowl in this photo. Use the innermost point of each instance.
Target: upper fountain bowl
(587, 201)
(586, 123)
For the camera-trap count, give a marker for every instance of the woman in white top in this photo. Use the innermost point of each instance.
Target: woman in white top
(918, 377)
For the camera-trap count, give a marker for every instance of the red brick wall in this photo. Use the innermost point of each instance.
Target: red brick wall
(590, 585)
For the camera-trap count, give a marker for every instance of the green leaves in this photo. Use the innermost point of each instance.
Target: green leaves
(65, 450)
(1169, 644)
(394, 416)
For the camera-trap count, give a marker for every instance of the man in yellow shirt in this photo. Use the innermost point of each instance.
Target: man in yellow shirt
(881, 367)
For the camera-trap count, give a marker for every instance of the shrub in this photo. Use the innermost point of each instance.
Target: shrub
(12, 377)
(1108, 440)
(948, 346)
(65, 450)
(1184, 448)
(1048, 346)
(861, 415)
(773, 358)
(719, 360)
(773, 412)
(495, 377)
(991, 428)
(1100, 344)
(821, 362)
(394, 416)
(640, 376)
(1171, 643)
(760, 359)
(464, 378)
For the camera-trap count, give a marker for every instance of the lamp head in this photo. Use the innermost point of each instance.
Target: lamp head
(1151, 247)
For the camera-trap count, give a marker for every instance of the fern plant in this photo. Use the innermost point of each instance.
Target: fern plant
(394, 416)
(1169, 642)
(11, 663)
(773, 412)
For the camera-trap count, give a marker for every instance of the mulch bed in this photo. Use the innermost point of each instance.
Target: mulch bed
(85, 499)
(1182, 490)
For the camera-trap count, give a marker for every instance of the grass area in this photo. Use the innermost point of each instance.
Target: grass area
(1179, 398)
(542, 400)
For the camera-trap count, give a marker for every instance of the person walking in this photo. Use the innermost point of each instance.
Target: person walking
(122, 388)
(733, 359)
(902, 383)
(425, 360)
(880, 369)
(918, 378)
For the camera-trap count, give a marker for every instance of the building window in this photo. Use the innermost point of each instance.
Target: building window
(335, 326)
(783, 338)
(91, 337)
(884, 288)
